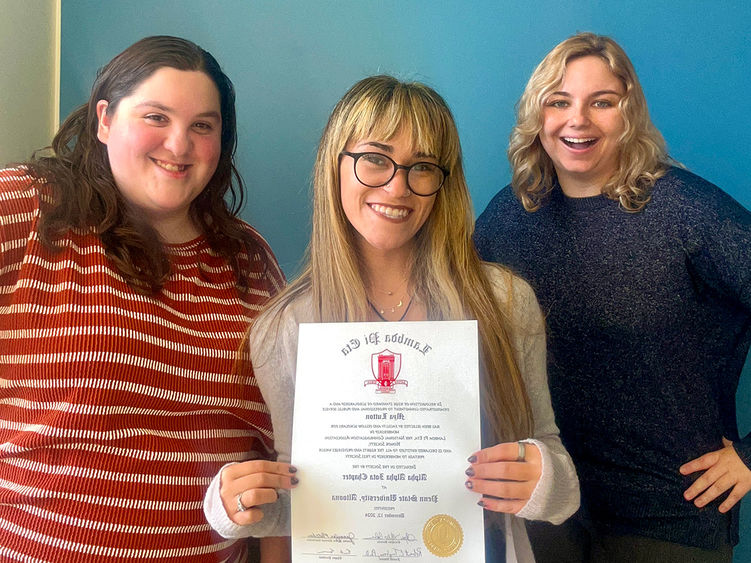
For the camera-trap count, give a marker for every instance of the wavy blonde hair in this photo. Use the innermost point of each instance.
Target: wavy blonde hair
(447, 273)
(642, 157)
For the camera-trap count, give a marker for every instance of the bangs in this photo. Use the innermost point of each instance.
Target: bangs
(404, 108)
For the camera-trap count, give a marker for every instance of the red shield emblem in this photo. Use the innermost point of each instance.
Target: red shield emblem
(386, 366)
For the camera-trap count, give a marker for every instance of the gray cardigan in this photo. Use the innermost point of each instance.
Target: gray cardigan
(274, 351)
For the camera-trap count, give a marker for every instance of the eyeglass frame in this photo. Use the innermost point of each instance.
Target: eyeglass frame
(357, 155)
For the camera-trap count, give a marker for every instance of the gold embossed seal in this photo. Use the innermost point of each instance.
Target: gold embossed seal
(442, 535)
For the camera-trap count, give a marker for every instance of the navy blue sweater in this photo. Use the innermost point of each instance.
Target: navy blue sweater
(649, 319)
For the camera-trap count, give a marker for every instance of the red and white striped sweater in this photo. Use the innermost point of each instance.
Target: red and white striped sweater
(117, 409)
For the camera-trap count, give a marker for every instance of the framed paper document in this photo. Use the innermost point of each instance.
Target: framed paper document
(386, 415)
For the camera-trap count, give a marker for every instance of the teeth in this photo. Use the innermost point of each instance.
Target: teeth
(170, 167)
(577, 140)
(390, 212)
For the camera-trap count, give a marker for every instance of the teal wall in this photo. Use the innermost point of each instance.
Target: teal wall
(292, 60)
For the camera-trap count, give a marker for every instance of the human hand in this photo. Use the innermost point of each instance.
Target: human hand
(505, 482)
(244, 487)
(723, 470)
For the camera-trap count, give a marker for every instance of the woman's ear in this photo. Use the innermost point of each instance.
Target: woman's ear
(104, 120)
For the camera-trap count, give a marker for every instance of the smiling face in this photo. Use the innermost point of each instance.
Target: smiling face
(385, 219)
(582, 125)
(163, 143)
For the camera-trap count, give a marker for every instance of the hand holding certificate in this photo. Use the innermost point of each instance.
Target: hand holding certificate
(385, 415)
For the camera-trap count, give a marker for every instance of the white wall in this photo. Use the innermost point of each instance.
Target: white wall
(29, 76)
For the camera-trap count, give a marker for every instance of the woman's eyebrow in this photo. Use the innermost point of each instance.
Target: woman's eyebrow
(598, 93)
(382, 146)
(389, 149)
(160, 106)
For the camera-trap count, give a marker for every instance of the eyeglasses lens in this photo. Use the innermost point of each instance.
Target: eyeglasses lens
(375, 170)
(425, 178)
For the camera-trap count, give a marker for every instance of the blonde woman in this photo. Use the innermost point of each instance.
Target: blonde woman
(644, 273)
(391, 241)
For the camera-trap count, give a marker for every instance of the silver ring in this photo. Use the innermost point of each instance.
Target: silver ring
(522, 452)
(240, 506)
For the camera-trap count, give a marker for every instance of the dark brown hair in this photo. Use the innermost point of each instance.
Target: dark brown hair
(85, 193)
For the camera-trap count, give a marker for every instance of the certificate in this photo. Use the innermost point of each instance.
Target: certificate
(386, 415)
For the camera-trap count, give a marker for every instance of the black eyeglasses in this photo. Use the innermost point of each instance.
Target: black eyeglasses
(374, 170)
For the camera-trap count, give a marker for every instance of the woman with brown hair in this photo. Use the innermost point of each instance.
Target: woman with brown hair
(126, 284)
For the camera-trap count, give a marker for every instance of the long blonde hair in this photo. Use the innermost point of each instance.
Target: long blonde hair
(642, 156)
(447, 274)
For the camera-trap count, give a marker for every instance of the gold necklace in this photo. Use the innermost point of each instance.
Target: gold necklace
(380, 315)
(390, 292)
(382, 310)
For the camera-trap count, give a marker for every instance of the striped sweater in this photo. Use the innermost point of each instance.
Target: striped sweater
(117, 409)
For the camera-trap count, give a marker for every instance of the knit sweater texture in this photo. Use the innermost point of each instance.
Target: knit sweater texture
(117, 409)
(649, 319)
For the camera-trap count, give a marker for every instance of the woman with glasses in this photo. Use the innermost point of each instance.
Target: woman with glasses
(391, 241)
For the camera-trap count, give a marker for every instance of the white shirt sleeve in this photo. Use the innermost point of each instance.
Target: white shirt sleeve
(270, 525)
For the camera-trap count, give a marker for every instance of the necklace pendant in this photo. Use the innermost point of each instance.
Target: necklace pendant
(378, 311)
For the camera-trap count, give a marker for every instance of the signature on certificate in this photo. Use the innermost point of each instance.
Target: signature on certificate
(392, 537)
(346, 537)
(380, 553)
(332, 554)
(393, 554)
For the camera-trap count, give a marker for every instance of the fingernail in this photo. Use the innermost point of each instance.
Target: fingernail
(470, 472)
(292, 469)
(294, 480)
(472, 458)
(481, 503)
(468, 484)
